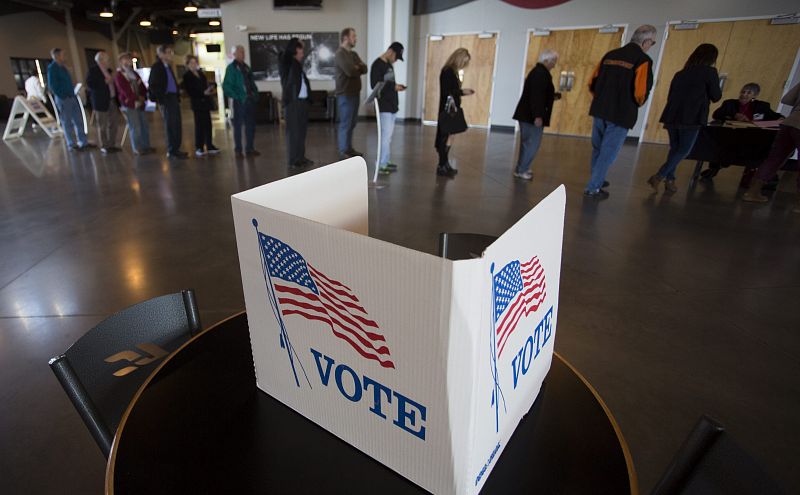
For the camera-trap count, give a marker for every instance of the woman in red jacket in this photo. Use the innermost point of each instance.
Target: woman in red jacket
(132, 96)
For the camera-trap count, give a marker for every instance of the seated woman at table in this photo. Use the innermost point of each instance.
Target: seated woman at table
(746, 108)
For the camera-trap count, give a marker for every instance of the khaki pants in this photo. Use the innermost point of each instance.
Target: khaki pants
(106, 123)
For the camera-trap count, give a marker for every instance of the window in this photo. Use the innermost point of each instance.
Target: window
(23, 68)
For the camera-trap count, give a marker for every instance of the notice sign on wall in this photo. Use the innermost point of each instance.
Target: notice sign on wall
(424, 363)
(266, 50)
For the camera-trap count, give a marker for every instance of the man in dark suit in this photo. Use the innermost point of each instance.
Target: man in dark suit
(533, 111)
(102, 94)
(163, 89)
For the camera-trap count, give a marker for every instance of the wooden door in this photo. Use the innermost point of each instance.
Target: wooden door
(579, 52)
(762, 53)
(478, 75)
(749, 51)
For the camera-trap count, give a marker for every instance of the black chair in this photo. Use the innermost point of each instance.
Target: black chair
(102, 371)
(710, 462)
(320, 107)
(463, 246)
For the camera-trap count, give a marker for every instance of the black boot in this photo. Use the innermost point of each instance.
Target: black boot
(444, 167)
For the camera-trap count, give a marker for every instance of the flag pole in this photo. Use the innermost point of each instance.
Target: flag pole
(495, 394)
(284, 336)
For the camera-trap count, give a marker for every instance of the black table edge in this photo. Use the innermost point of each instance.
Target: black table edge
(109, 478)
(633, 481)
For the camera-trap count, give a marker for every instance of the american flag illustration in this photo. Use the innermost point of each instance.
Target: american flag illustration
(301, 289)
(519, 290)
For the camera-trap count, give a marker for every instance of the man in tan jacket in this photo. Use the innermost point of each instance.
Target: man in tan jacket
(349, 69)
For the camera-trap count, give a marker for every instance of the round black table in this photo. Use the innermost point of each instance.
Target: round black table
(200, 425)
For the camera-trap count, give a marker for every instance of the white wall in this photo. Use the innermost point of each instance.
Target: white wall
(259, 17)
(513, 24)
(33, 35)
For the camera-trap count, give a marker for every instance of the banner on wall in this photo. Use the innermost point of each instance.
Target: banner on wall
(320, 48)
(424, 363)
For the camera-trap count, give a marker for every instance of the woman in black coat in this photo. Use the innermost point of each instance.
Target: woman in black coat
(687, 110)
(295, 97)
(199, 91)
(450, 88)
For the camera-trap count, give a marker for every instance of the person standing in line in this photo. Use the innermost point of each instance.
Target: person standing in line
(240, 85)
(349, 69)
(786, 142)
(533, 111)
(450, 93)
(132, 97)
(103, 95)
(59, 82)
(620, 85)
(294, 97)
(388, 105)
(686, 110)
(199, 91)
(163, 89)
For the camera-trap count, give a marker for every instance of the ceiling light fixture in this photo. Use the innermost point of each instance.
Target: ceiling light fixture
(106, 13)
(213, 23)
(145, 23)
(174, 31)
(190, 7)
(193, 35)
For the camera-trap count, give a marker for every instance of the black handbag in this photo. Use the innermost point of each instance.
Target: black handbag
(451, 119)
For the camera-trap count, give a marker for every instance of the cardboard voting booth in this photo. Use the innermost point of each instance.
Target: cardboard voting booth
(425, 364)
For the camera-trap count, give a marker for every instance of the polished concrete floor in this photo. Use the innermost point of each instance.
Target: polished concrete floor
(671, 305)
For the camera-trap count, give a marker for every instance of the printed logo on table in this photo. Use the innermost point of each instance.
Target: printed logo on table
(295, 287)
(518, 290)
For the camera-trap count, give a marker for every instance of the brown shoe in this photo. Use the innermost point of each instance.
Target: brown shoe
(670, 187)
(654, 181)
(753, 194)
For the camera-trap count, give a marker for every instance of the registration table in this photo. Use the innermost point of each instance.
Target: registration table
(733, 145)
(200, 425)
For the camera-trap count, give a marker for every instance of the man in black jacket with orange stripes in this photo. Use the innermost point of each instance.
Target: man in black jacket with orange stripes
(620, 84)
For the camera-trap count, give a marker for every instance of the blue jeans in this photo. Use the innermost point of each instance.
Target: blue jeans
(244, 114)
(607, 140)
(347, 108)
(387, 129)
(680, 144)
(529, 141)
(138, 129)
(71, 120)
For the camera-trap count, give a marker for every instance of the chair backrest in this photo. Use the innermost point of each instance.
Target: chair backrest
(103, 370)
(710, 462)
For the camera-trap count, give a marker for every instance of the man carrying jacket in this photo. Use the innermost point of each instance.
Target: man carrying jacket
(533, 111)
(163, 88)
(620, 84)
(240, 85)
